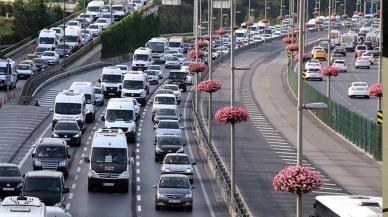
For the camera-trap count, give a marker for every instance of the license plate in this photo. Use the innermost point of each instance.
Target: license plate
(8, 189)
(111, 93)
(107, 184)
(67, 139)
(174, 201)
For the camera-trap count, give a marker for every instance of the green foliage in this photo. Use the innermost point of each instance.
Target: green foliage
(130, 33)
(176, 19)
(81, 4)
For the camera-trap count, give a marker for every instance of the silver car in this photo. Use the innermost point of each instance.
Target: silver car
(152, 76)
(99, 97)
(166, 114)
(178, 163)
(157, 68)
(176, 90)
(168, 127)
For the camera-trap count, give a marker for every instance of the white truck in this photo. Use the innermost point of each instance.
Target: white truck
(111, 81)
(120, 9)
(142, 58)
(175, 44)
(48, 39)
(158, 48)
(73, 36)
(8, 74)
(70, 105)
(136, 85)
(95, 9)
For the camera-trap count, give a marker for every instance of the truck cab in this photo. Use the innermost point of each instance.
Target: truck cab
(136, 85)
(95, 9)
(111, 81)
(8, 74)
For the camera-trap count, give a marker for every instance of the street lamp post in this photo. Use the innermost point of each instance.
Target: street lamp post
(64, 32)
(265, 24)
(328, 51)
(210, 65)
(232, 68)
(380, 54)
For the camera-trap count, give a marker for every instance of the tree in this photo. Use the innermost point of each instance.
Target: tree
(80, 4)
(20, 26)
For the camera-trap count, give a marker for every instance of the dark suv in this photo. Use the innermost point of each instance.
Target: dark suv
(51, 154)
(167, 144)
(10, 180)
(48, 186)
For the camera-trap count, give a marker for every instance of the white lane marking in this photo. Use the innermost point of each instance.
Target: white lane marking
(286, 153)
(326, 192)
(287, 156)
(272, 136)
(145, 109)
(139, 130)
(73, 186)
(81, 161)
(86, 148)
(137, 144)
(67, 206)
(283, 149)
(137, 171)
(204, 192)
(139, 208)
(78, 169)
(137, 163)
(139, 134)
(21, 163)
(277, 142)
(138, 197)
(89, 138)
(137, 179)
(76, 177)
(137, 150)
(71, 196)
(82, 155)
(94, 128)
(137, 157)
(138, 187)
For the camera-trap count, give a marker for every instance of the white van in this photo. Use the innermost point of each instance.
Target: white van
(11, 71)
(136, 85)
(158, 48)
(48, 39)
(120, 114)
(142, 58)
(73, 36)
(241, 34)
(95, 9)
(111, 81)
(163, 101)
(70, 105)
(108, 160)
(87, 89)
(176, 44)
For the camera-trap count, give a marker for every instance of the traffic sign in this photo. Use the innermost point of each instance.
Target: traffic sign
(380, 117)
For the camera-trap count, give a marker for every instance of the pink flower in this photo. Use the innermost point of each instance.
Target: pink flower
(236, 27)
(248, 23)
(220, 32)
(202, 43)
(196, 67)
(265, 20)
(192, 54)
(375, 90)
(292, 47)
(231, 115)
(280, 18)
(297, 179)
(288, 40)
(360, 14)
(329, 71)
(306, 56)
(209, 86)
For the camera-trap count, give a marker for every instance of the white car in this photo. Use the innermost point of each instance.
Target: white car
(107, 16)
(152, 76)
(24, 70)
(88, 18)
(370, 56)
(95, 29)
(172, 62)
(362, 62)
(168, 127)
(358, 89)
(180, 56)
(312, 74)
(157, 68)
(51, 57)
(189, 78)
(185, 66)
(86, 38)
(313, 65)
(178, 163)
(257, 38)
(340, 65)
(175, 89)
(103, 23)
(124, 69)
(221, 50)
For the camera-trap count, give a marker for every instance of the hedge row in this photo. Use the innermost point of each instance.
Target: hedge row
(127, 35)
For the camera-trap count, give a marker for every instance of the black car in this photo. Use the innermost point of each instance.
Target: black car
(51, 154)
(69, 131)
(10, 180)
(48, 186)
(167, 144)
(179, 78)
(63, 50)
(40, 64)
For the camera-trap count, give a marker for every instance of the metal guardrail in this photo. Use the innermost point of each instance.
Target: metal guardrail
(177, 34)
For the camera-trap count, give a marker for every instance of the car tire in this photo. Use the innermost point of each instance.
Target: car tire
(65, 174)
(189, 208)
(125, 189)
(80, 142)
(367, 97)
(90, 187)
(156, 159)
(356, 67)
(368, 67)
(351, 96)
(157, 207)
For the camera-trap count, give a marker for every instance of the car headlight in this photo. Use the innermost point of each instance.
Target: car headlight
(189, 195)
(143, 94)
(78, 118)
(159, 195)
(131, 128)
(166, 170)
(189, 170)
(77, 135)
(180, 150)
(124, 174)
(55, 135)
(92, 173)
(37, 163)
(62, 164)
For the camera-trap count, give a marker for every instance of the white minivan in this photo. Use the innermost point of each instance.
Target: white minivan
(136, 85)
(141, 58)
(87, 89)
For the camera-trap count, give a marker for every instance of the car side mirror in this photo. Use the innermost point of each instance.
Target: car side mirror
(154, 186)
(102, 118)
(131, 161)
(87, 159)
(193, 187)
(66, 190)
(194, 163)
(99, 80)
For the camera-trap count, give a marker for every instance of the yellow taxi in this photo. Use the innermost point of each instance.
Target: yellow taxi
(319, 54)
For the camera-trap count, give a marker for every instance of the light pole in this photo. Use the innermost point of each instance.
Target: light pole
(328, 51)
(111, 12)
(380, 54)
(265, 24)
(64, 32)
(210, 65)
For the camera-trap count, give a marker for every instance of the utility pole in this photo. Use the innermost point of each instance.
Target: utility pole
(328, 50)
(64, 32)
(379, 78)
(210, 66)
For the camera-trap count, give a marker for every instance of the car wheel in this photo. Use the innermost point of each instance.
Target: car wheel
(157, 207)
(156, 159)
(368, 67)
(367, 97)
(350, 96)
(125, 189)
(90, 187)
(356, 67)
(189, 208)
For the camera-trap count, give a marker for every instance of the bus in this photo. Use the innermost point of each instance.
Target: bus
(335, 36)
(348, 41)
(347, 205)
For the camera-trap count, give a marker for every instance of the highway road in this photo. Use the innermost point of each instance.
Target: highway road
(145, 173)
(340, 84)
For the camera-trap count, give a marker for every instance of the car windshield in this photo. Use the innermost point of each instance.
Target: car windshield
(171, 87)
(174, 44)
(174, 182)
(66, 126)
(38, 61)
(40, 49)
(143, 57)
(165, 100)
(106, 16)
(48, 151)
(361, 47)
(93, 27)
(42, 184)
(101, 21)
(166, 112)
(94, 8)
(122, 68)
(164, 91)
(177, 159)
(97, 91)
(117, 8)
(113, 115)
(360, 85)
(46, 40)
(73, 23)
(151, 73)
(168, 125)
(109, 155)
(313, 71)
(156, 46)
(177, 75)
(24, 67)
(154, 67)
(9, 172)
(62, 46)
(112, 78)
(49, 54)
(172, 58)
(170, 141)
(67, 108)
(133, 85)
(71, 38)
(339, 62)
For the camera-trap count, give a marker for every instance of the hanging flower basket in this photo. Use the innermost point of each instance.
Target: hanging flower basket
(318, 22)
(209, 86)
(280, 18)
(306, 56)
(196, 67)
(316, 13)
(220, 32)
(231, 115)
(329, 71)
(265, 20)
(202, 43)
(307, 25)
(292, 47)
(288, 40)
(248, 23)
(345, 16)
(375, 90)
(332, 17)
(236, 27)
(377, 14)
(296, 31)
(297, 179)
(192, 54)
(360, 14)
